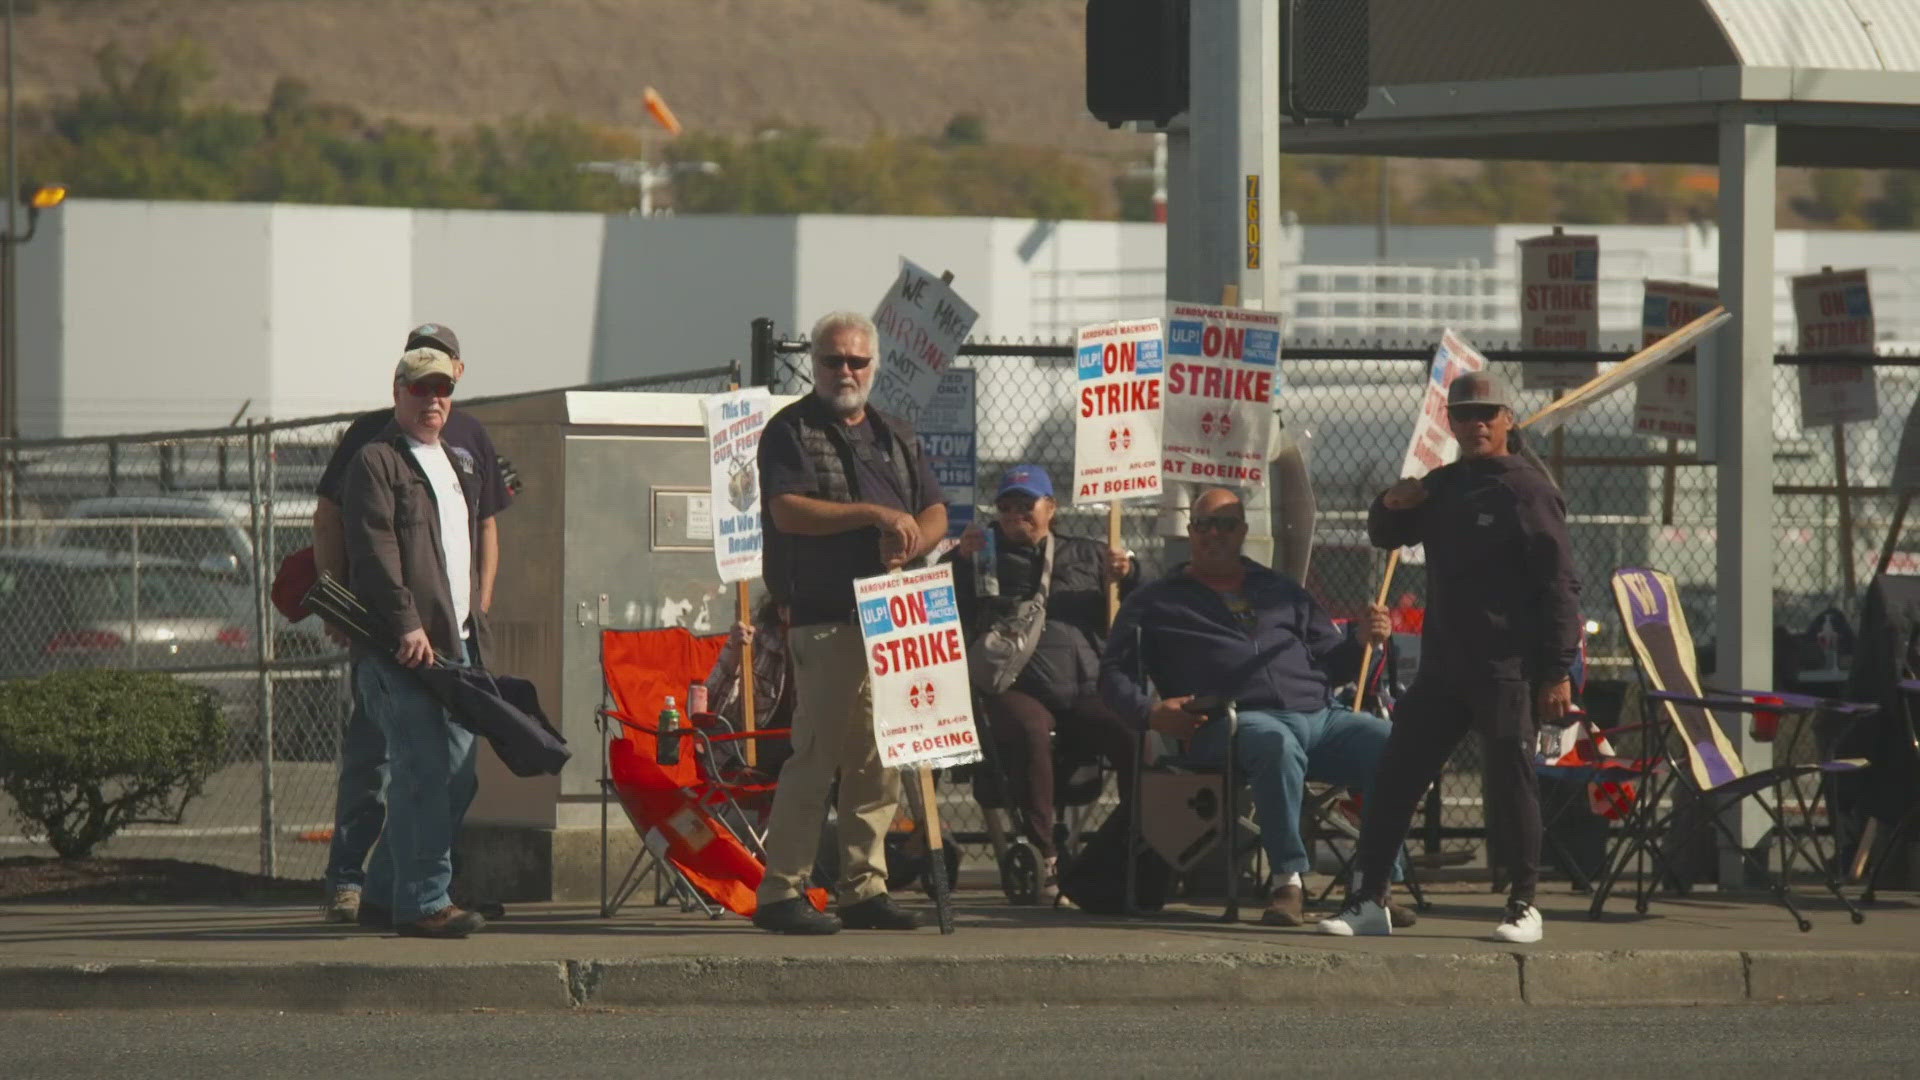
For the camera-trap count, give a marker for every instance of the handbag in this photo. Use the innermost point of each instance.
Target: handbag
(995, 657)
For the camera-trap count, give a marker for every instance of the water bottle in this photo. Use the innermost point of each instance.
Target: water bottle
(668, 739)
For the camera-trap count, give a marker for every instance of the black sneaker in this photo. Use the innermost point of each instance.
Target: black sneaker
(878, 913)
(374, 917)
(795, 916)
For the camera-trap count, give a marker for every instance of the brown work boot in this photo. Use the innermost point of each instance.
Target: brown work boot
(449, 922)
(1287, 908)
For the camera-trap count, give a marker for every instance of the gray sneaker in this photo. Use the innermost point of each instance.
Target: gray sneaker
(343, 906)
(1362, 917)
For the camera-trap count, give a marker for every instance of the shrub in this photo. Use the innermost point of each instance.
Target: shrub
(83, 754)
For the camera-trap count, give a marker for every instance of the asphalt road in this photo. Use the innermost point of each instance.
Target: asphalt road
(1737, 1041)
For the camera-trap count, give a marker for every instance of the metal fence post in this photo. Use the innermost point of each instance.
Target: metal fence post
(259, 461)
(761, 357)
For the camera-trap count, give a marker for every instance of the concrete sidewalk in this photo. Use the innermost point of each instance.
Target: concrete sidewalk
(1706, 949)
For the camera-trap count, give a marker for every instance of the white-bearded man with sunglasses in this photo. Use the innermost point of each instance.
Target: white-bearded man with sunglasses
(846, 493)
(1501, 635)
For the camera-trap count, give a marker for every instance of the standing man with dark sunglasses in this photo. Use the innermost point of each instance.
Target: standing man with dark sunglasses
(845, 493)
(360, 802)
(1501, 634)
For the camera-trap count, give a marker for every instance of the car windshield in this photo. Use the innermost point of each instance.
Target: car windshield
(105, 595)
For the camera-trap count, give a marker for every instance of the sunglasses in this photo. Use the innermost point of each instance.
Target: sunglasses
(1016, 505)
(1473, 414)
(1219, 523)
(841, 360)
(430, 388)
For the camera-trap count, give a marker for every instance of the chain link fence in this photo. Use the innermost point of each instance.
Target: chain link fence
(1633, 500)
(139, 552)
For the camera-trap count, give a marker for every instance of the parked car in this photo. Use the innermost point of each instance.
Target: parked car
(67, 608)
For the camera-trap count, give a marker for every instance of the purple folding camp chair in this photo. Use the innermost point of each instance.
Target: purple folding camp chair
(1708, 766)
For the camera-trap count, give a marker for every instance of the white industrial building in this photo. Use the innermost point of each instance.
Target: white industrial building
(141, 316)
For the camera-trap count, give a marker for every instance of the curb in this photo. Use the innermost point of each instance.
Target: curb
(1657, 977)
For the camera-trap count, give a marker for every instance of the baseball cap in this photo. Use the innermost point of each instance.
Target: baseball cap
(434, 336)
(1478, 388)
(417, 364)
(1031, 479)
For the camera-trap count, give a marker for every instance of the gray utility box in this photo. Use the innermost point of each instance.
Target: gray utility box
(612, 528)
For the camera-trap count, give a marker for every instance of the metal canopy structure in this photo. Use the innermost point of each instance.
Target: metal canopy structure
(1644, 81)
(1748, 85)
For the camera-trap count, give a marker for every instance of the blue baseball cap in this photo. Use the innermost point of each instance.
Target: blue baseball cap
(1030, 479)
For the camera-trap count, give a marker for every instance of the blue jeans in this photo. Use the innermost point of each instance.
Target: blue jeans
(360, 797)
(431, 783)
(1279, 752)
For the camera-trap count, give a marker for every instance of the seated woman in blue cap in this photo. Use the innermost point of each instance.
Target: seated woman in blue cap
(1056, 688)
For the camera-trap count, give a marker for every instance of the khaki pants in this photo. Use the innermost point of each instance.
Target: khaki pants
(832, 730)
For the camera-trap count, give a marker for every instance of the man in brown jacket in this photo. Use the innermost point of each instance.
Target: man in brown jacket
(409, 509)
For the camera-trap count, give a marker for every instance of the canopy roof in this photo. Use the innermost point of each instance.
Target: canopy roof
(1635, 80)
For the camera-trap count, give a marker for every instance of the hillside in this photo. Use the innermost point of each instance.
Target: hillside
(852, 68)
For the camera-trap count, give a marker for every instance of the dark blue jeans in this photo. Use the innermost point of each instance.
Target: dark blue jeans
(1278, 752)
(360, 796)
(431, 783)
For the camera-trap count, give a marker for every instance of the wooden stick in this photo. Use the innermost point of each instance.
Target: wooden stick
(1893, 532)
(936, 854)
(748, 721)
(1366, 651)
(1113, 542)
(1863, 850)
(1671, 478)
(1845, 504)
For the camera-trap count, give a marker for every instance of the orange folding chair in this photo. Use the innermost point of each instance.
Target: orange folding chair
(700, 817)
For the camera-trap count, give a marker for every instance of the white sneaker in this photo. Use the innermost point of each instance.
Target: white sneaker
(1521, 926)
(1360, 918)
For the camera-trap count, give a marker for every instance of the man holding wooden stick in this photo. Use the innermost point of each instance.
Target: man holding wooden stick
(1501, 634)
(846, 493)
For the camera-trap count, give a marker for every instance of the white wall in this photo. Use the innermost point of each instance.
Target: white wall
(339, 290)
(521, 290)
(165, 310)
(144, 316)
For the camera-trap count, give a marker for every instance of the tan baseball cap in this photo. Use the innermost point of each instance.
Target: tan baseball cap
(417, 364)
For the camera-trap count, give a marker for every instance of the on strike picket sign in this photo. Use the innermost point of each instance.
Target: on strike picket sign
(1835, 313)
(946, 432)
(1217, 401)
(922, 322)
(1664, 403)
(922, 699)
(1559, 309)
(1433, 444)
(735, 421)
(1116, 434)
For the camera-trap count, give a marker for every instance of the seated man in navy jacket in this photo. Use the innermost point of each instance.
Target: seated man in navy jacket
(1223, 625)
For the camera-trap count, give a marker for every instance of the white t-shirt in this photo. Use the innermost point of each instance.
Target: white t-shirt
(456, 544)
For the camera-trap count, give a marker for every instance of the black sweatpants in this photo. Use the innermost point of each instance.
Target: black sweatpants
(1428, 724)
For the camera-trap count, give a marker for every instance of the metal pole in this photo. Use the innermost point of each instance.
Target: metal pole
(1743, 439)
(264, 679)
(9, 304)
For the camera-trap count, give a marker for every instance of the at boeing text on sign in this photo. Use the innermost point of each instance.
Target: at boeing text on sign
(1559, 307)
(922, 322)
(1835, 313)
(1116, 437)
(734, 423)
(1217, 412)
(1664, 402)
(922, 698)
